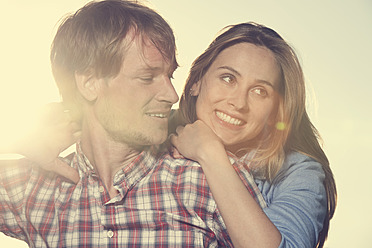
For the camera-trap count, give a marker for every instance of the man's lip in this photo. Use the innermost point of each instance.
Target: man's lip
(159, 114)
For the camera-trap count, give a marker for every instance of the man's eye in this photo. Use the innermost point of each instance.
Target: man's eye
(260, 92)
(147, 79)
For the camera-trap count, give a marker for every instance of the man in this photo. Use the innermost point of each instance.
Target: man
(112, 61)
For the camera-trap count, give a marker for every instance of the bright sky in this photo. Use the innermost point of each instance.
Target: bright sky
(333, 39)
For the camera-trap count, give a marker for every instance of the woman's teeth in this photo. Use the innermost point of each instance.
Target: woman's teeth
(226, 118)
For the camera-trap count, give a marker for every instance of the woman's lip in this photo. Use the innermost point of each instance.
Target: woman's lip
(228, 119)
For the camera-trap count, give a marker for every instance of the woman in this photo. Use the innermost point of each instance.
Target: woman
(246, 95)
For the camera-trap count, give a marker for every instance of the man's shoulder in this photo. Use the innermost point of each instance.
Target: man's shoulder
(13, 169)
(174, 160)
(177, 168)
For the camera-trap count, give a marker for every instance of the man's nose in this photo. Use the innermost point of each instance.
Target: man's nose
(168, 93)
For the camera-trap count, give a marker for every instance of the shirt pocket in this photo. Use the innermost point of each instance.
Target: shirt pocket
(178, 229)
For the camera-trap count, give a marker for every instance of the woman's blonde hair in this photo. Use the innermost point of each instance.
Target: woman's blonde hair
(293, 130)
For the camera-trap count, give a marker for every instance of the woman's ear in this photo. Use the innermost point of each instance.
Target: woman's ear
(195, 89)
(87, 86)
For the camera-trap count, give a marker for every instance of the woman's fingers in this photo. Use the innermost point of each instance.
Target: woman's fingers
(62, 168)
(173, 139)
(179, 129)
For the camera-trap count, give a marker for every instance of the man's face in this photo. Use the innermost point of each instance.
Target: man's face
(134, 106)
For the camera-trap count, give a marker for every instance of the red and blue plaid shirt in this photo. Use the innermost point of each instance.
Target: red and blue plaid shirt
(163, 201)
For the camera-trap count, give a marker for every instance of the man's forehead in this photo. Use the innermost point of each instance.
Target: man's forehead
(147, 55)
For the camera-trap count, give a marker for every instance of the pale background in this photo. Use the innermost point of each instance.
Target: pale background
(333, 39)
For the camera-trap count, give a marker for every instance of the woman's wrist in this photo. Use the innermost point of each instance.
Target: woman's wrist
(213, 154)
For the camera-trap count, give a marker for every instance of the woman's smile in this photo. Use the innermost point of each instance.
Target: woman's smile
(228, 119)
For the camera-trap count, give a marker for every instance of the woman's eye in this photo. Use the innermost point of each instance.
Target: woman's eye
(260, 92)
(227, 78)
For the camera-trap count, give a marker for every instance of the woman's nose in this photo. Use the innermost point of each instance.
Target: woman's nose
(238, 99)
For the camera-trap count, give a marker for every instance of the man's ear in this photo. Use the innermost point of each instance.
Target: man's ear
(195, 89)
(87, 86)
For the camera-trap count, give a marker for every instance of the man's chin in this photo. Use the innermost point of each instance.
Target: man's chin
(159, 140)
(152, 140)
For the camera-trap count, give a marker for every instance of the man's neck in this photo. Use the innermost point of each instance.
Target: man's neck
(106, 155)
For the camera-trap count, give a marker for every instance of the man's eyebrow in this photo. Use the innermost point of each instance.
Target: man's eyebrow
(148, 69)
(155, 69)
(237, 73)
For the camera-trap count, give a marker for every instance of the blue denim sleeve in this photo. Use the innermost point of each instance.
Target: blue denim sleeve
(297, 201)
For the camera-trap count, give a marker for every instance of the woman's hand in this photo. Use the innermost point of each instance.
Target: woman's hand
(196, 141)
(54, 133)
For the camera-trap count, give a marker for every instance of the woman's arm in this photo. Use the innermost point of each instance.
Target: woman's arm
(55, 133)
(247, 224)
(297, 201)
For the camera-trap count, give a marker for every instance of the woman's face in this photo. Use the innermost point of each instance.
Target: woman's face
(237, 97)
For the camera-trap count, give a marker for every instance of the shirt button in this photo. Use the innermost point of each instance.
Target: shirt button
(110, 233)
(101, 189)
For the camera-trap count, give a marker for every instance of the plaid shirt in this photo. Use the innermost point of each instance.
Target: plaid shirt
(163, 201)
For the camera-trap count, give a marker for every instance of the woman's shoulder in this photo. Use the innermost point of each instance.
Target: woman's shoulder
(296, 162)
(292, 158)
(300, 171)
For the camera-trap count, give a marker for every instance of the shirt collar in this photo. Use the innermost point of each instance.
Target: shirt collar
(138, 168)
(132, 173)
(83, 163)
(244, 160)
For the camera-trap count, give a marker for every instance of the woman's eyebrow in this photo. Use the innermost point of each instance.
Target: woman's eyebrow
(230, 69)
(237, 73)
(265, 82)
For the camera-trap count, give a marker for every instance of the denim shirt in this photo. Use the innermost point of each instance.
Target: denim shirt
(296, 200)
